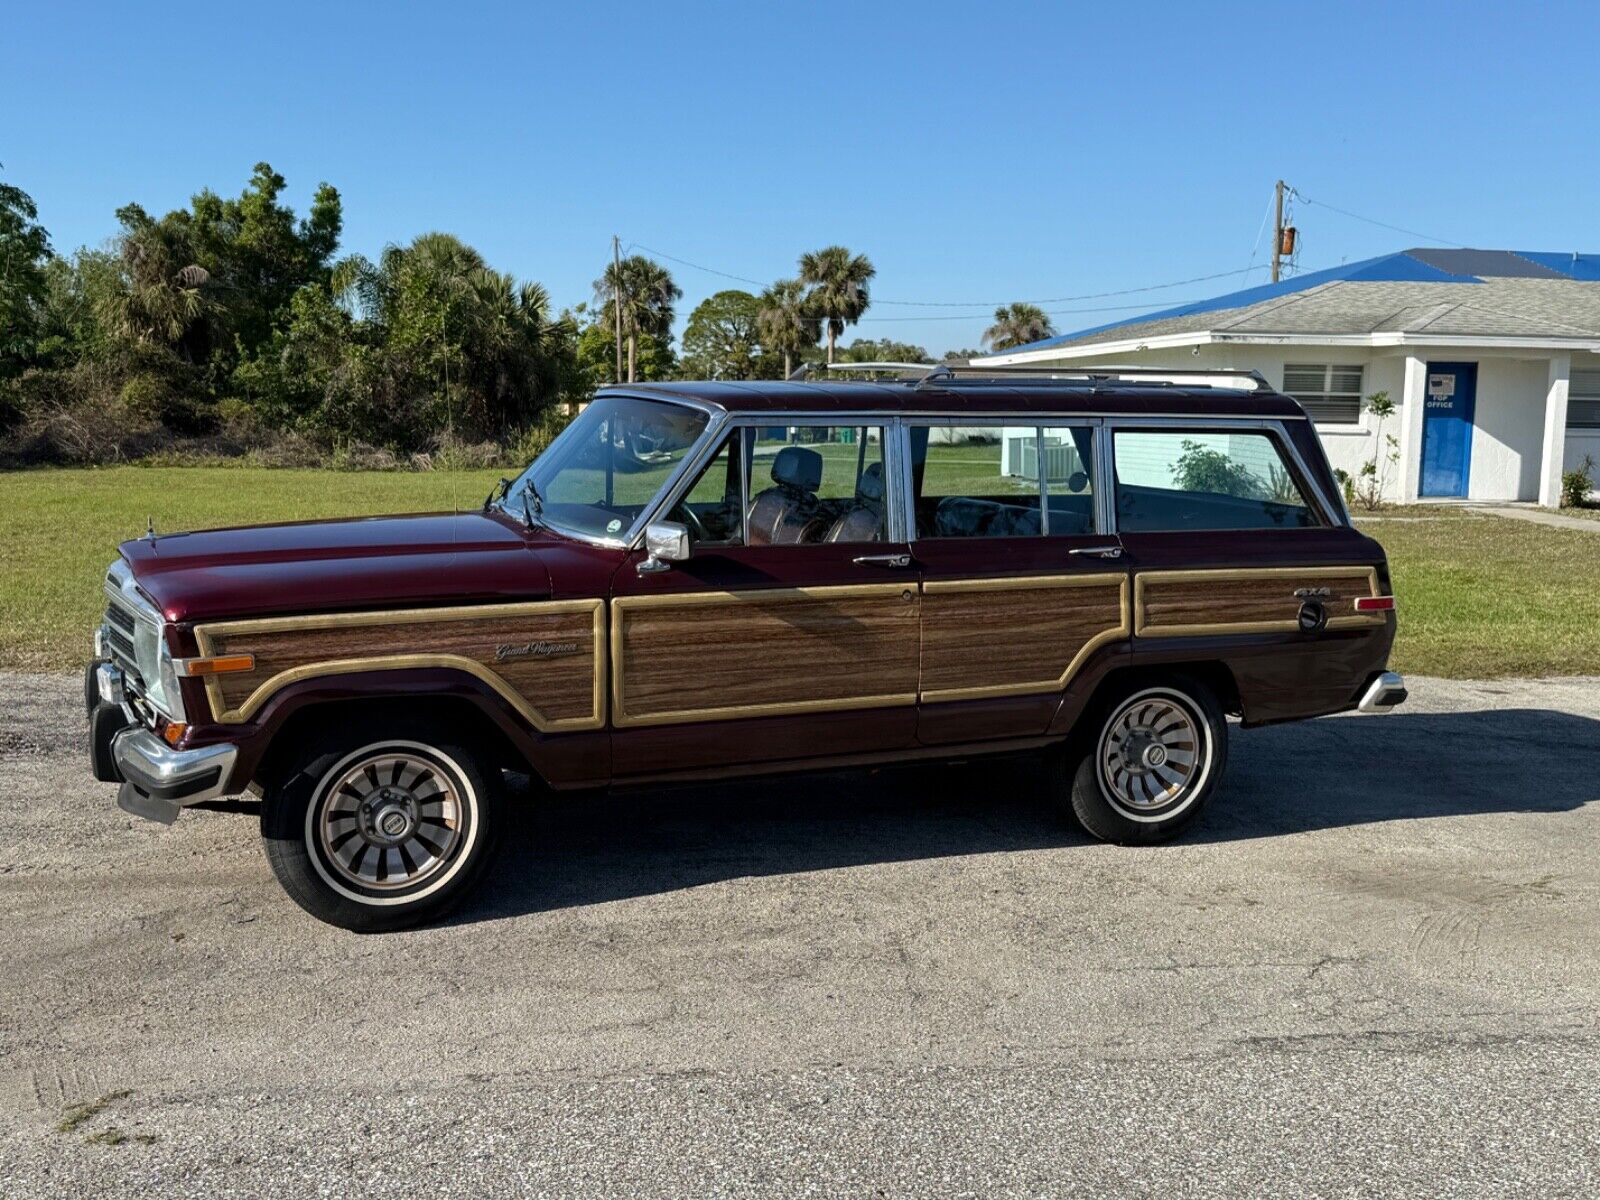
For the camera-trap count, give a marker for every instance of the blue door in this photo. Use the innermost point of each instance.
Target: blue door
(1447, 407)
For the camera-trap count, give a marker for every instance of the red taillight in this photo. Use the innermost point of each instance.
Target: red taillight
(1374, 603)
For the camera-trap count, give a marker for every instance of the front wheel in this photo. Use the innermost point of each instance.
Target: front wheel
(1155, 755)
(382, 829)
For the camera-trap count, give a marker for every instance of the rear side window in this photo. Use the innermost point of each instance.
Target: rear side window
(1211, 479)
(975, 481)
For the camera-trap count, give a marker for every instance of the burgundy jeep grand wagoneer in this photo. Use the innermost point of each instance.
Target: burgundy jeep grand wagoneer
(706, 579)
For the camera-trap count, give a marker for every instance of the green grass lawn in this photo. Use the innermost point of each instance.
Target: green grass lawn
(1484, 596)
(1479, 596)
(60, 529)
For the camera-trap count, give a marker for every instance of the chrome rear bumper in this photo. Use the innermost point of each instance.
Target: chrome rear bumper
(160, 781)
(1383, 693)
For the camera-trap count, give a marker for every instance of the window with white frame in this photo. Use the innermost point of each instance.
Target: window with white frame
(1583, 400)
(1329, 392)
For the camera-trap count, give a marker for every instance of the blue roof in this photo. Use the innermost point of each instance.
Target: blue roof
(1422, 265)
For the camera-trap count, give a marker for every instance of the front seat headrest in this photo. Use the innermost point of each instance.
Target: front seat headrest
(797, 467)
(870, 486)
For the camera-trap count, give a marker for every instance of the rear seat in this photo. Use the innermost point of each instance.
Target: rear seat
(962, 516)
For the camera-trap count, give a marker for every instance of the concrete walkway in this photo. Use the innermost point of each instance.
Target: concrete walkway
(1540, 516)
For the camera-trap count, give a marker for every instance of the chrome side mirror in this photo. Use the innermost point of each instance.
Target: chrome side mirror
(666, 542)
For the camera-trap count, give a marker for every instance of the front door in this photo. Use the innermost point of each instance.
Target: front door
(1447, 410)
(1019, 587)
(791, 631)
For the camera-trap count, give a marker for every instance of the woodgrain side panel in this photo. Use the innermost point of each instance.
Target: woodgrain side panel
(546, 659)
(1247, 600)
(999, 637)
(708, 656)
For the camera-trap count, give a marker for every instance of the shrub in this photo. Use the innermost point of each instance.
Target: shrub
(1576, 485)
(455, 454)
(1385, 454)
(360, 456)
(1202, 469)
(535, 440)
(1346, 484)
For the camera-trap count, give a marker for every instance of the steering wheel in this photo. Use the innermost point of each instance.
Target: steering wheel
(697, 528)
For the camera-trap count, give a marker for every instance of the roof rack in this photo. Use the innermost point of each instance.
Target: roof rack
(1176, 376)
(805, 370)
(945, 374)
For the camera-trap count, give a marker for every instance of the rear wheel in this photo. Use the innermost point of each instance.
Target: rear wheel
(383, 828)
(1152, 760)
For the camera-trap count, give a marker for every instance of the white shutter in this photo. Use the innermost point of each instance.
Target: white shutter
(1331, 395)
(1583, 400)
(1302, 378)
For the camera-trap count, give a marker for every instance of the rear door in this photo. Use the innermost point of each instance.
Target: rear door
(1228, 539)
(791, 632)
(1020, 583)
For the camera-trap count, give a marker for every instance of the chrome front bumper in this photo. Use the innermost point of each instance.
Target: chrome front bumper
(1383, 693)
(159, 782)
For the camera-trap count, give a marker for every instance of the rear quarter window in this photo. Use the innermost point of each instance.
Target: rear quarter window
(1205, 480)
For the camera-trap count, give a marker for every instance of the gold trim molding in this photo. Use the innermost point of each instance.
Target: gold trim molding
(1104, 579)
(206, 636)
(1143, 628)
(622, 605)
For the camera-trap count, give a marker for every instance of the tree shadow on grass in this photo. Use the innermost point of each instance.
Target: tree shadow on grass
(568, 850)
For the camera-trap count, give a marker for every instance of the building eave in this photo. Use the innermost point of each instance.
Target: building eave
(1381, 340)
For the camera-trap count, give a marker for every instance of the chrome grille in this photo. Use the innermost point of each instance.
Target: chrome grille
(119, 640)
(121, 621)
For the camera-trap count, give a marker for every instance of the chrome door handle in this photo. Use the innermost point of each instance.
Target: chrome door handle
(883, 560)
(1099, 551)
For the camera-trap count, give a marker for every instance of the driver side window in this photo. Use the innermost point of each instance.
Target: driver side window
(713, 507)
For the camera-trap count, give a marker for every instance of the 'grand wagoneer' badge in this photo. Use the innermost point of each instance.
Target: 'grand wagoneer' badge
(534, 650)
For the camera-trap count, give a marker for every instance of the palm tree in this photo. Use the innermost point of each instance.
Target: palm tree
(1017, 325)
(489, 338)
(783, 324)
(647, 294)
(836, 288)
(161, 297)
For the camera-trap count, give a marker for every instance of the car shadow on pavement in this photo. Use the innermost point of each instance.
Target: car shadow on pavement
(570, 850)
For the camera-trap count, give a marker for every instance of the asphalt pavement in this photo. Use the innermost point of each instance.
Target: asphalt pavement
(1372, 968)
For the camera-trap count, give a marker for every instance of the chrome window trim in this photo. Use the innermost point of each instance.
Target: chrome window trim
(680, 480)
(897, 452)
(631, 537)
(727, 422)
(1333, 517)
(904, 484)
(1038, 466)
(1096, 426)
(1097, 438)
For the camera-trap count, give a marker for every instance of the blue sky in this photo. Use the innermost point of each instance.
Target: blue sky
(976, 153)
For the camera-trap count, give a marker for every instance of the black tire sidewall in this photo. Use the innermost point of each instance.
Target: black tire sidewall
(1099, 814)
(288, 815)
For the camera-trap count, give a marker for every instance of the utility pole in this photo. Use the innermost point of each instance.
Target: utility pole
(616, 295)
(1277, 233)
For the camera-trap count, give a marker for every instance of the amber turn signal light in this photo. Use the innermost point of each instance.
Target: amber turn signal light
(222, 665)
(173, 732)
(1374, 603)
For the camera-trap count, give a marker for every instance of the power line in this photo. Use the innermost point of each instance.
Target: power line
(1054, 312)
(1344, 212)
(1154, 287)
(684, 262)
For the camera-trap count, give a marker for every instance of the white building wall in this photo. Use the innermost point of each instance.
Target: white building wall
(1348, 446)
(1508, 429)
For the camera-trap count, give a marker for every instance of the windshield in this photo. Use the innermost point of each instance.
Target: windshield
(608, 465)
